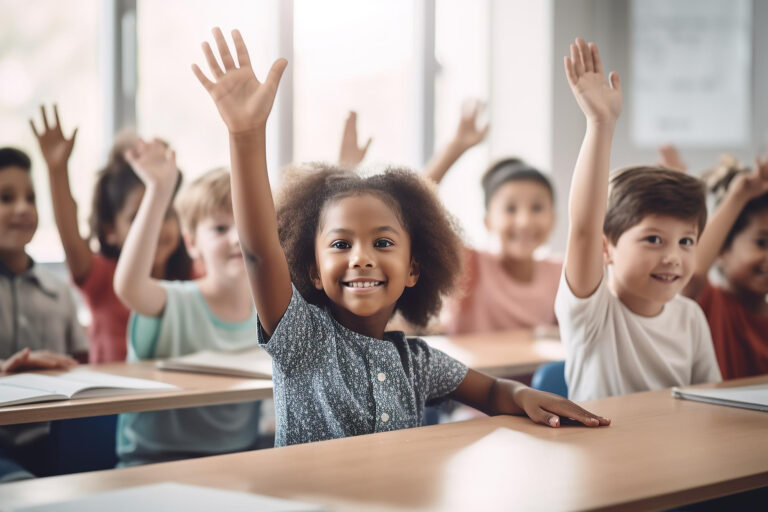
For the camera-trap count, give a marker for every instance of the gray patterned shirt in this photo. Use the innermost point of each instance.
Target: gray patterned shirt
(331, 382)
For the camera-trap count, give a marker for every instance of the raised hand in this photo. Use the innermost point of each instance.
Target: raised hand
(154, 163)
(468, 133)
(670, 158)
(56, 148)
(243, 102)
(599, 100)
(753, 183)
(350, 153)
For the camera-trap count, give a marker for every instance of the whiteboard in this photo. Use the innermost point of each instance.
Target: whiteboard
(691, 72)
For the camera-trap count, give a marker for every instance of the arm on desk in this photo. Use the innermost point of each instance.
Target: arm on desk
(501, 396)
(26, 359)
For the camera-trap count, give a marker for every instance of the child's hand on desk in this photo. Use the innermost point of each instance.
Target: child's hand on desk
(55, 147)
(243, 102)
(548, 408)
(36, 360)
(154, 163)
(600, 102)
(350, 154)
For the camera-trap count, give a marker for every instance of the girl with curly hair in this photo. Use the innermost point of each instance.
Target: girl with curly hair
(329, 269)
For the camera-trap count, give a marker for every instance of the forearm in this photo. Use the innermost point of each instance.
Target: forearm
(256, 221)
(133, 282)
(77, 252)
(440, 163)
(488, 394)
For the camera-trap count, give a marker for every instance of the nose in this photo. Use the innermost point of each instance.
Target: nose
(361, 257)
(23, 207)
(672, 257)
(522, 218)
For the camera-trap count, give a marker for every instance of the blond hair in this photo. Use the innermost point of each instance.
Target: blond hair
(205, 196)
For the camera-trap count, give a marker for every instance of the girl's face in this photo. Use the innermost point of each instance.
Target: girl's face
(170, 234)
(363, 257)
(745, 263)
(217, 244)
(521, 215)
(18, 213)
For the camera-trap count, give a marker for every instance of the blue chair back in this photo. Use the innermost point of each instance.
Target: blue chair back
(84, 444)
(550, 377)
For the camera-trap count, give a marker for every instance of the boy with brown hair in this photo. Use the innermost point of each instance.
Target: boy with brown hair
(628, 330)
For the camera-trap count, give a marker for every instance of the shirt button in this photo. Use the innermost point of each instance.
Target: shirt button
(381, 377)
(385, 417)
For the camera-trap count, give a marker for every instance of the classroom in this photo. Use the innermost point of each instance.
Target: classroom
(403, 255)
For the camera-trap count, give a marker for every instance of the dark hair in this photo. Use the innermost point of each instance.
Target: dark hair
(719, 182)
(512, 169)
(435, 243)
(12, 157)
(114, 183)
(639, 191)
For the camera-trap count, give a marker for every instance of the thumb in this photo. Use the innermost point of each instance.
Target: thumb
(72, 138)
(367, 145)
(615, 80)
(276, 72)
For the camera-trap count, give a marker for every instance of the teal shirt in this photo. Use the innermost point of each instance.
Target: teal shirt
(187, 325)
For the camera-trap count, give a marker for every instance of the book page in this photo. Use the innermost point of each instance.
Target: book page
(254, 363)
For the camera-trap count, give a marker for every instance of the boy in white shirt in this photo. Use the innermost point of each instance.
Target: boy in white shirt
(627, 330)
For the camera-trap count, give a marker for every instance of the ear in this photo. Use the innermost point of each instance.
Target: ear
(314, 276)
(413, 274)
(189, 243)
(607, 251)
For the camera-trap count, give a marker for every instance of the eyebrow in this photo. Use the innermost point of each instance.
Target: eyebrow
(661, 232)
(349, 232)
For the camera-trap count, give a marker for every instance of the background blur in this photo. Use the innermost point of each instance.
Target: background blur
(694, 74)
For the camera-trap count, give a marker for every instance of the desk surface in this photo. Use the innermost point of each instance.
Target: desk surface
(659, 452)
(196, 390)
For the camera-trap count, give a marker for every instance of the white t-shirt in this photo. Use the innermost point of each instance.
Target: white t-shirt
(613, 351)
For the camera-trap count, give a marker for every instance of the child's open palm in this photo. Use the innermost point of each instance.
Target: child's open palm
(154, 163)
(469, 133)
(351, 154)
(56, 148)
(243, 102)
(599, 100)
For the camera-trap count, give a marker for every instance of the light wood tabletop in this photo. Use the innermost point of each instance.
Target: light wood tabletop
(659, 452)
(196, 389)
(501, 354)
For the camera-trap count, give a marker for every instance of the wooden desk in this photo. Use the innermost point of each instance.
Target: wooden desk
(501, 354)
(659, 452)
(197, 389)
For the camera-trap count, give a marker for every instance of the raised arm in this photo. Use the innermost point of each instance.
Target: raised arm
(670, 158)
(56, 150)
(155, 165)
(244, 104)
(601, 104)
(468, 134)
(744, 188)
(350, 154)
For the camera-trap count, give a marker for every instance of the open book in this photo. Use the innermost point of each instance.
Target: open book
(747, 397)
(27, 388)
(253, 363)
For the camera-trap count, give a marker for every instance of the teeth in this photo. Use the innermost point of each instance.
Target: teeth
(363, 284)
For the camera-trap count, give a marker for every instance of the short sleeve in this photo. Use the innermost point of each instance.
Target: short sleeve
(444, 373)
(99, 277)
(143, 332)
(300, 336)
(578, 317)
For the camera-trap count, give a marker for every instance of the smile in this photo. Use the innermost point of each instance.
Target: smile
(363, 284)
(665, 278)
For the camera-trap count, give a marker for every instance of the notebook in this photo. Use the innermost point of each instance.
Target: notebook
(26, 388)
(253, 363)
(747, 397)
(170, 497)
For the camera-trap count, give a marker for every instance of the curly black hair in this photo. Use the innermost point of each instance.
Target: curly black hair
(436, 244)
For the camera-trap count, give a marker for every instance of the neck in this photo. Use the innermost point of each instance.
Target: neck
(637, 305)
(519, 269)
(16, 260)
(228, 299)
(372, 326)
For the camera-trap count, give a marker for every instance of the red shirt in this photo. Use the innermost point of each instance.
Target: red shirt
(740, 337)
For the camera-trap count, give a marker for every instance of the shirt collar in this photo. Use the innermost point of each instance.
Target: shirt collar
(34, 275)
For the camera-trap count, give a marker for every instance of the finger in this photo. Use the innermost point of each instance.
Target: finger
(276, 72)
(586, 55)
(72, 138)
(367, 145)
(597, 61)
(202, 78)
(213, 65)
(34, 129)
(578, 66)
(243, 59)
(570, 73)
(15, 360)
(571, 410)
(45, 118)
(221, 43)
(484, 131)
(615, 81)
(56, 116)
(545, 417)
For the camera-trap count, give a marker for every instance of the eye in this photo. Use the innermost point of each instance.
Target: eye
(762, 243)
(511, 208)
(382, 243)
(537, 208)
(688, 241)
(6, 198)
(221, 228)
(653, 239)
(340, 244)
